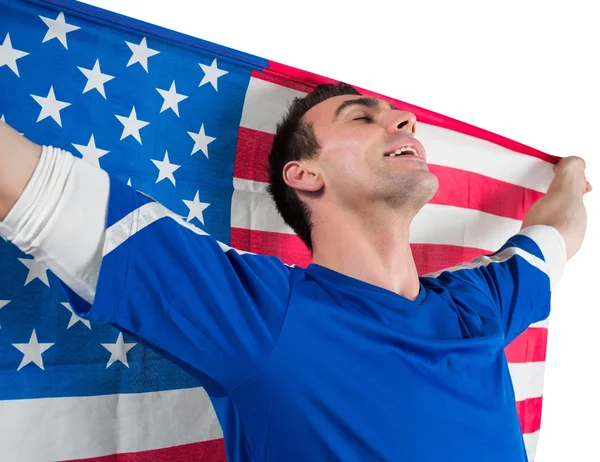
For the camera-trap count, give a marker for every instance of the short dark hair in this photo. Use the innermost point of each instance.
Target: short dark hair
(295, 140)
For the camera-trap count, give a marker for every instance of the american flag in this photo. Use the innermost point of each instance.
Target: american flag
(190, 123)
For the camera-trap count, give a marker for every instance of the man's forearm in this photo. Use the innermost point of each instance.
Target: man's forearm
(18, 159)
(562, 208)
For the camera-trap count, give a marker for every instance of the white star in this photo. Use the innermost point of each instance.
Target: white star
(9, 55)
(3, 303)
(129, 182)
(32, 351)
(211, 74)
(118, 350)
(58, 28)
(95, 78)
(171, 99)
(51, 107)
(91, 153)
(201, 141)
(196, 208)
(141, 53)
(165, 168)
(74, 318)
(131, 125)
(36, 271)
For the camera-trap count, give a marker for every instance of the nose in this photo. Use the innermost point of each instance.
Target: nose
(401, 121)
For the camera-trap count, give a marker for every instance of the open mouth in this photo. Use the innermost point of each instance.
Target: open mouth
(404, 151)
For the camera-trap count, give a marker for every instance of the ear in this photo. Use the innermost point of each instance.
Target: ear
(300, 176)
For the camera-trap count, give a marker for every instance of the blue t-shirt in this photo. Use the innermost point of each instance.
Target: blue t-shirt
(312, 365)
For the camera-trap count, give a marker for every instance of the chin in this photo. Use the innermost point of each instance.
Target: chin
(430, 183)
(416, 188)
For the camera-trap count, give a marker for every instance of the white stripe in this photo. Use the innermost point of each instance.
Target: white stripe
(444, 224)
(542, 324)
(267, 102)
(142, 217)
(83, 427)
(457, 150)
(531, 444)
(527, 379)
(252, 208)
(500, 257)
(553, 248)
(137, 220)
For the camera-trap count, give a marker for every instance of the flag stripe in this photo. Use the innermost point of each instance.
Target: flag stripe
(531, 441)
(135, 422)
(301, 81)
(428, 257)
(528, 379)
(545, 323)
(122, 423)
(288, 247)
(252, 208)
(529, 346)
(205, 451)
(530, 414)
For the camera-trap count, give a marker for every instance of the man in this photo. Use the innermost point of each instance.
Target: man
(354, 358)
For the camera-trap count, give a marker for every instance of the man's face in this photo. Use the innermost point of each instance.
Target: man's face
(369, 154)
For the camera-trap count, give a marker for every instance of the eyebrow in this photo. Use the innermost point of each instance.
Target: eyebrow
(365, 101)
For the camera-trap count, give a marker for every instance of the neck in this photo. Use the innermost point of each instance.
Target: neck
(374, 249)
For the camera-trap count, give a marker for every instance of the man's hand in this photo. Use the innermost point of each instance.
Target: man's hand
(573, 166)
(562, 207)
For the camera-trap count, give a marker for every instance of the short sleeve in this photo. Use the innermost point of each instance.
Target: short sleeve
(214, 310)
(517, 279)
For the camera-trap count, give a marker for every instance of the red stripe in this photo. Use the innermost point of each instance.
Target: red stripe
(530, 346)
(458, 188)
(206, 451)
(530, 414)
(300, 80)
(288, 247)
(475, 191)
(252, 154)
(291, 77)
(428, 257)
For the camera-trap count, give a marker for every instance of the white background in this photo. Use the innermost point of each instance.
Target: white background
(528, 71)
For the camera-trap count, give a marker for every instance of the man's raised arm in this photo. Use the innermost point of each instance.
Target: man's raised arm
(217, 310)
(18, 160)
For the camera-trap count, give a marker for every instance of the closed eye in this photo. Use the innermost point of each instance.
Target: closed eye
(367, 118)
